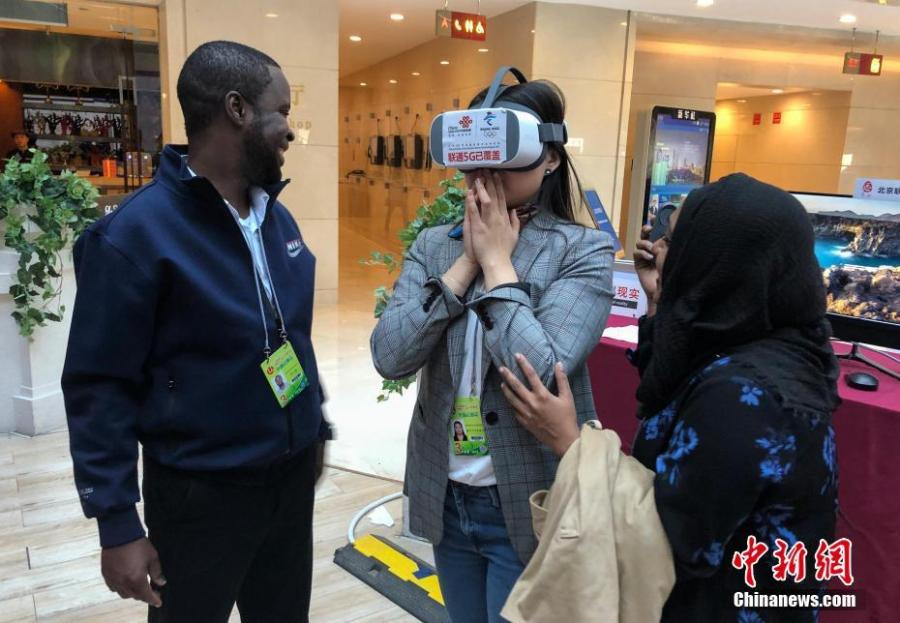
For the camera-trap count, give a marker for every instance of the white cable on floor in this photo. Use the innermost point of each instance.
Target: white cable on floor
(351, 530)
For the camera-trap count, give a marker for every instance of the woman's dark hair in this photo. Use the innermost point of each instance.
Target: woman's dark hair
(561, 191)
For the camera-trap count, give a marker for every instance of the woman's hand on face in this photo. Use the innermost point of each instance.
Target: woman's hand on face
(492, 229)
(645, 265)
(551, 419)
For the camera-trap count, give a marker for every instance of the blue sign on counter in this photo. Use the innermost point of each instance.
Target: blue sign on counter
(600, 217)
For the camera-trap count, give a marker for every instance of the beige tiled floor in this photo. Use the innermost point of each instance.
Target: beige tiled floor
(49, 555)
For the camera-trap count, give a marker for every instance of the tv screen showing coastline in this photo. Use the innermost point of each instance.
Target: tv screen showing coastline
(858, 248)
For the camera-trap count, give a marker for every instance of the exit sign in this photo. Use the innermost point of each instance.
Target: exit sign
(859, 63)
(458, 25)
(776, 118)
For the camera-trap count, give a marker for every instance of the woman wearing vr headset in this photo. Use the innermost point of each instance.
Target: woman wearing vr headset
(738, 384)
(523, 278)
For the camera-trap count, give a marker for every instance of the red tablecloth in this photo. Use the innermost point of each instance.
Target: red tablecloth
(867, 432)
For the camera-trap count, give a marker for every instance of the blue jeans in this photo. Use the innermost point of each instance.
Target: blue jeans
(476, 563)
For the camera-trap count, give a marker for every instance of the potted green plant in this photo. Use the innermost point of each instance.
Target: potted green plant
(448, 207)
(40, 215)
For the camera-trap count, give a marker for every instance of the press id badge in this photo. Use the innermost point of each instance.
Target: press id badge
(285, 374)
(467, 428)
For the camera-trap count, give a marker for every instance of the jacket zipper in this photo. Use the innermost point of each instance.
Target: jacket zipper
(290, 428)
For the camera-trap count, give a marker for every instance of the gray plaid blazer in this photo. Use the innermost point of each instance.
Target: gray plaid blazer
(568, 269)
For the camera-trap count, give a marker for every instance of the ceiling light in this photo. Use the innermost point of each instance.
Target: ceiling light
(355, 38)
(777, 91)
(397, 17)
(483, 50)
(271, 14)
(848, 18)
(363, 84)
(415, 73)
(742, 101)
(392, 81)
(705, 3)
(445, 62)
(532, 31)
(623, 23)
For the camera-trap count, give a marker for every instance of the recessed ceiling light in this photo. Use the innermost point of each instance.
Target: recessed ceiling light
(363, 84)
(445, 62)
(271, 14)
(397, 17)
(392, 81)
(705, 3)
(623, 23)
(483, 50)
(415, 73)
(742, 101)
(355, 38)
(777, 91)
(848, 18)
(532, 31)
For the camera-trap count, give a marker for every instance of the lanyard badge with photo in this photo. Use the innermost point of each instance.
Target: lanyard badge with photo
(282, 368)
(467, 434)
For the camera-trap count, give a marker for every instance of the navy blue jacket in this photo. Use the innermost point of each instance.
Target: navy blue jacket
(167, 341)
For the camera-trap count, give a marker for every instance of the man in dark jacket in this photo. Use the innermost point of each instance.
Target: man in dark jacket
(23, 147)
(192, 298)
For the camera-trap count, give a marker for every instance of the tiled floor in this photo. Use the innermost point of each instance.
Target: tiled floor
(49, 556)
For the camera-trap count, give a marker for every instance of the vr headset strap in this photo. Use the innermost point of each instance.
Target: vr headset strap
(547, 132)
(497, 85)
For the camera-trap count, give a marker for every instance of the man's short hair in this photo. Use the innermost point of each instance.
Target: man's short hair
(214, 69)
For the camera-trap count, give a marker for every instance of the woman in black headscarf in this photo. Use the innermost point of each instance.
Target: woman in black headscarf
(738, 384)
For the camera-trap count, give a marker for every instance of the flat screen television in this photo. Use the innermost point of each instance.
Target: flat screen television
(858, 248)
(680, 156)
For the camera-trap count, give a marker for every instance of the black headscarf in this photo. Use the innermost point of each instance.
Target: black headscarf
(741, 275)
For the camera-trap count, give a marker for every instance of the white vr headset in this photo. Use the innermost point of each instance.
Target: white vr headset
(495, 135)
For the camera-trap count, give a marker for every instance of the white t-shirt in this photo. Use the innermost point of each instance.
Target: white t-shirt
(476, 471)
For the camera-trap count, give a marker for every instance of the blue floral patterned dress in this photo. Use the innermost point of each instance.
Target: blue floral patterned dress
(731, 462)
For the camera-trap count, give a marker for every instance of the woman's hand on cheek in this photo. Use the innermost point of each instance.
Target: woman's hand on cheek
(494, 231)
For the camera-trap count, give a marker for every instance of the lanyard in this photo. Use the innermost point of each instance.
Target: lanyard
(258, 279)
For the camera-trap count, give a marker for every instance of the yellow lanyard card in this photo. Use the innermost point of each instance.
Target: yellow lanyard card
(467, 428)
(284, 374)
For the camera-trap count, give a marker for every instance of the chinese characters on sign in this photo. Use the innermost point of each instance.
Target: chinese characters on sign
(882, 190)
(863, 64)
(833, 560)
(458, 25)
(686, 115)
(629, 299)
